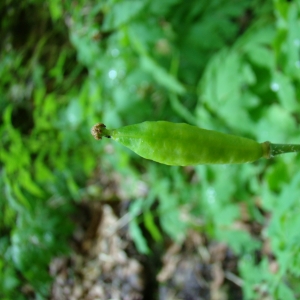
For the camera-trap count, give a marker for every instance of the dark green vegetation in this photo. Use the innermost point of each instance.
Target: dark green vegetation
(230, 66)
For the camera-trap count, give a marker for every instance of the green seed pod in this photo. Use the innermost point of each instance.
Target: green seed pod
(180, 144)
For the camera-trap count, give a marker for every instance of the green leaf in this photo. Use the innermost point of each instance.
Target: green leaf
(255, 276)
(159, 7)
(170, 218)
(56, 10)
(248, 74)
(292, 46)
(136, 207)
(161, 76)
(138, 237)
(122, 12)
(10, 279)
(151, 226)
(284, 292)
(276, 125)
(15, 197)
(27, 183)
(283, 87)
(277, 175)
(261, 56)
(74, 113)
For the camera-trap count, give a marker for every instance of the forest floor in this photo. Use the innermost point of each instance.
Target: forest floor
(105, 264)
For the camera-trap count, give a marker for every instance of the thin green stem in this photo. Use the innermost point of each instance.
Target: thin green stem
(276, 149)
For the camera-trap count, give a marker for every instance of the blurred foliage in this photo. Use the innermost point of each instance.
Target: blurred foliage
(228, 65)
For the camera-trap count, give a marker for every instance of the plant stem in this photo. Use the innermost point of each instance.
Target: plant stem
(276, 149)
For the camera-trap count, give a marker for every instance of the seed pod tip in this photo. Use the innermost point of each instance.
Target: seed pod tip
(97, 131)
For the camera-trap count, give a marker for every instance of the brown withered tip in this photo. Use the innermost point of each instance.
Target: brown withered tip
(97, 131)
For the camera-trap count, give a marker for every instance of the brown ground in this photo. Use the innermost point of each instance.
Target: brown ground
(105, 264)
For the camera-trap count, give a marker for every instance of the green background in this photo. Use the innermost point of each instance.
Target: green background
(231, 66)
